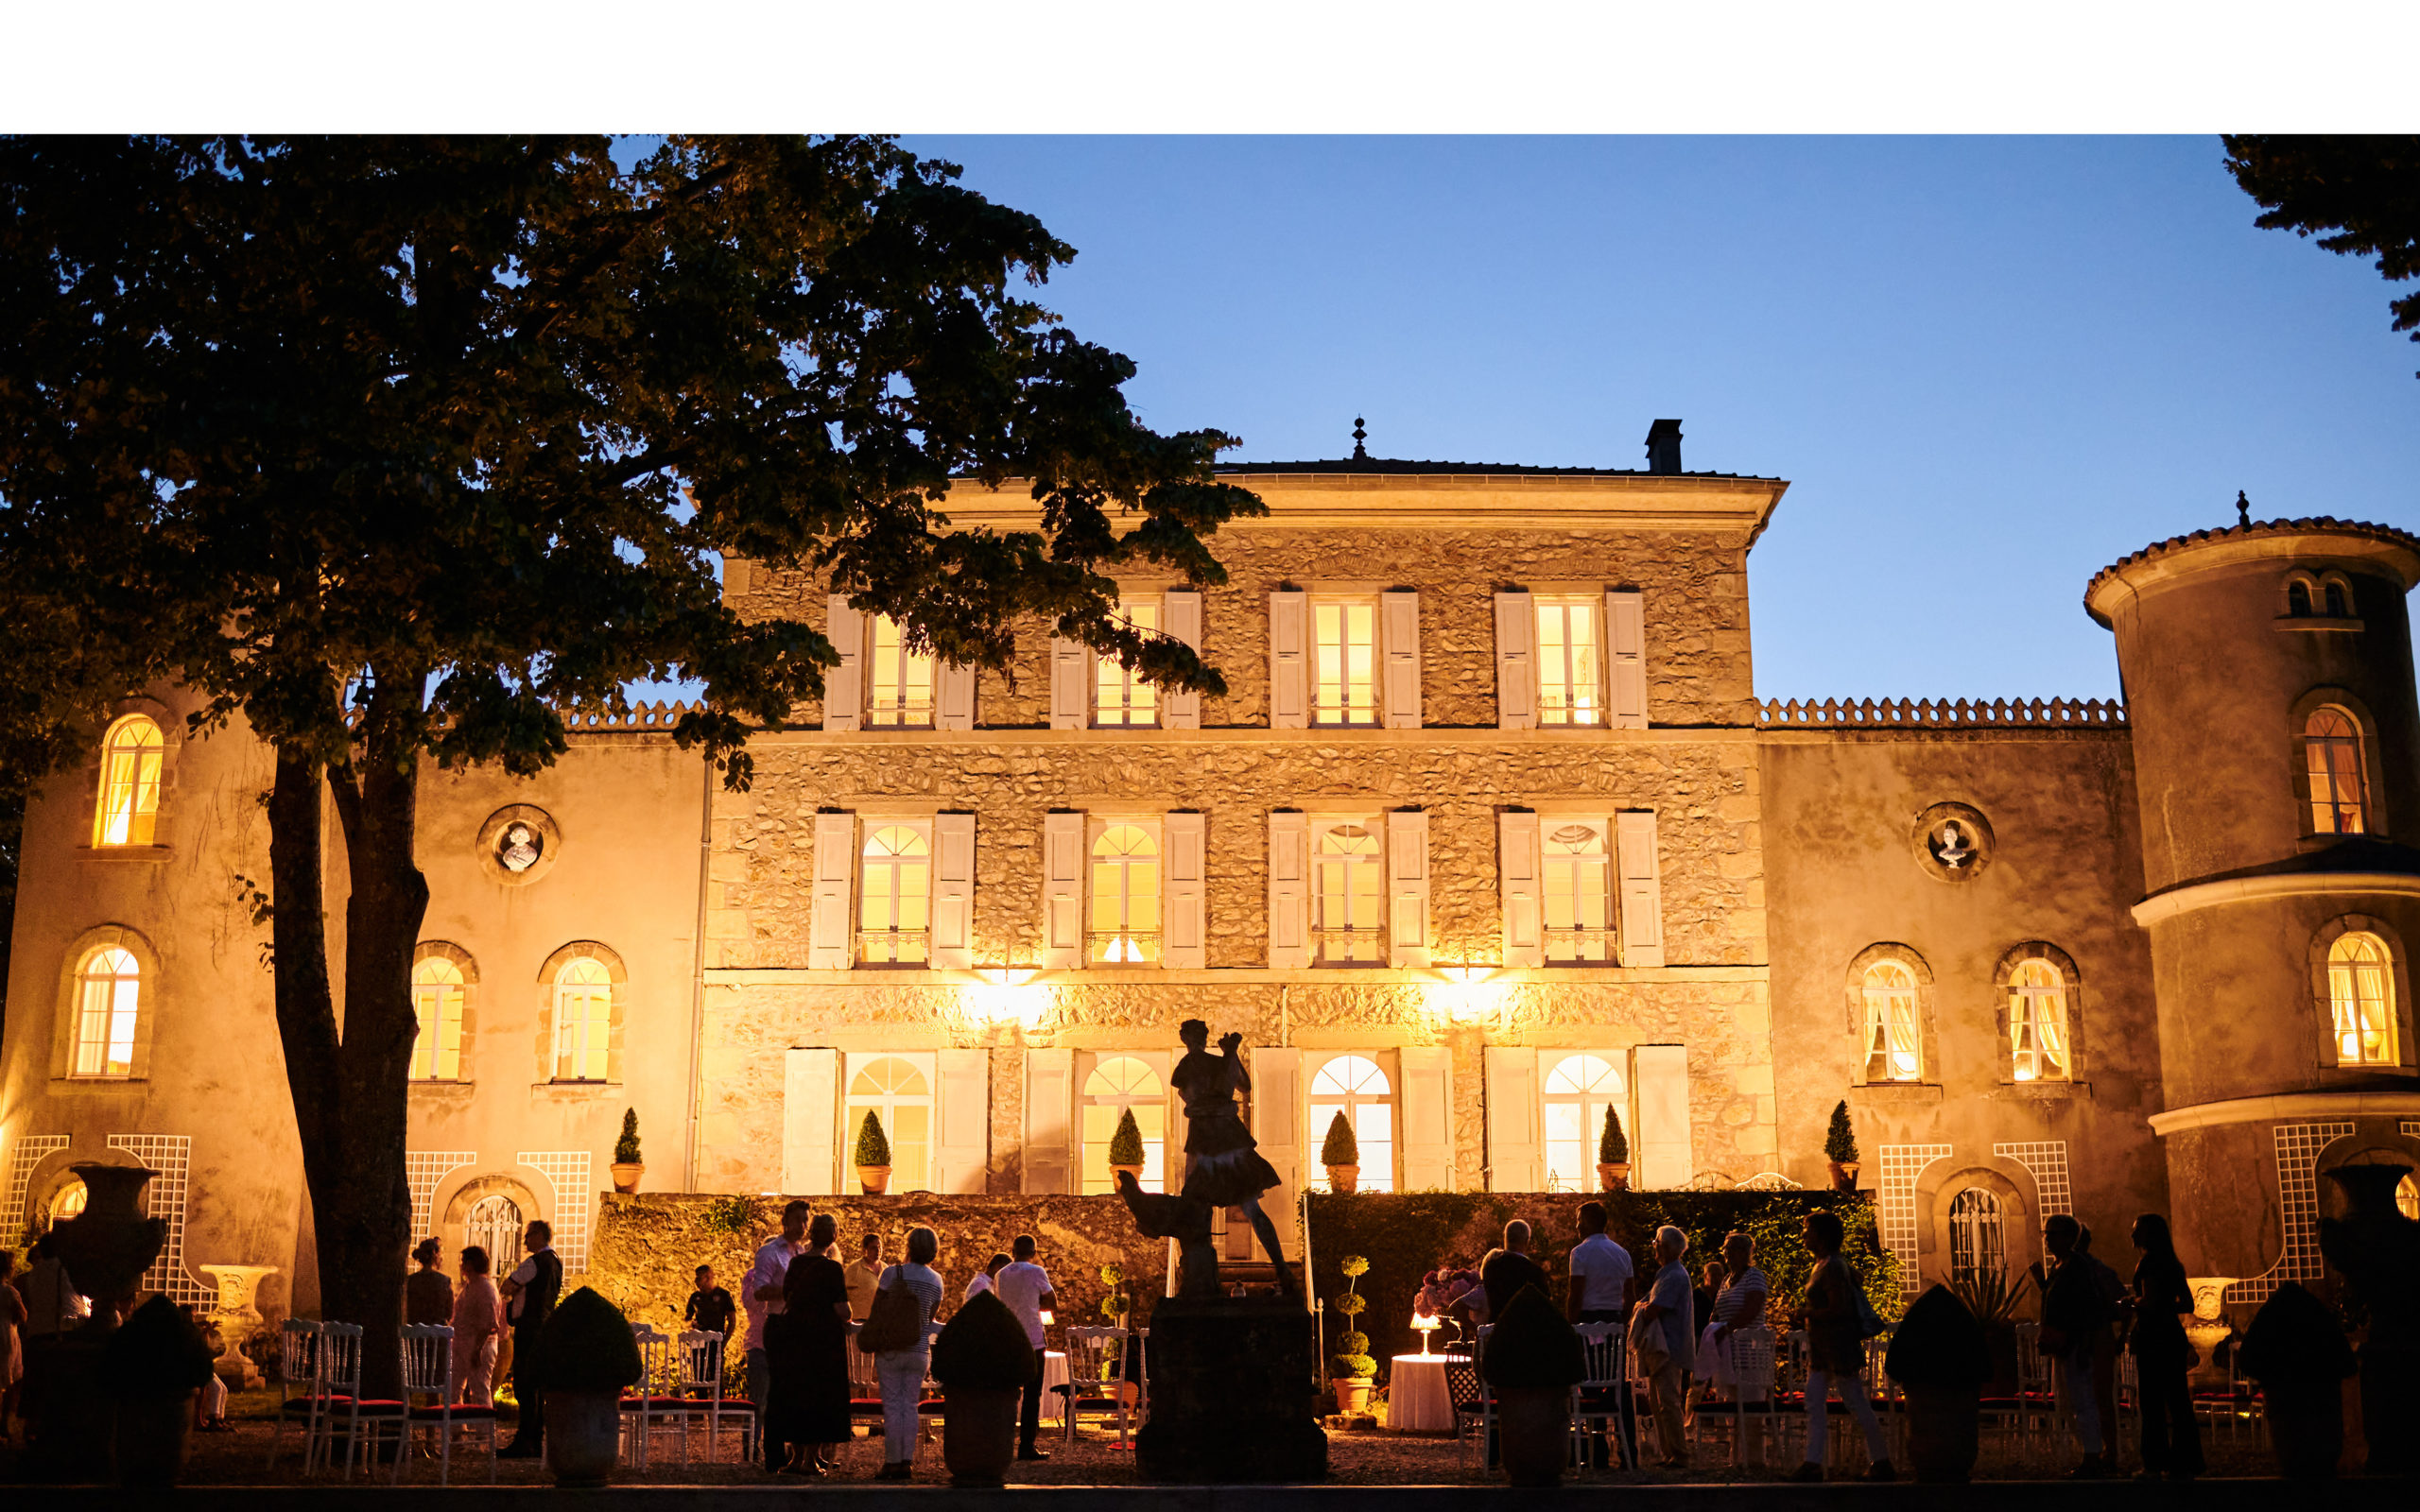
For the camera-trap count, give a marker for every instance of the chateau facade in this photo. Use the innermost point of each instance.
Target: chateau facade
(1489, 834)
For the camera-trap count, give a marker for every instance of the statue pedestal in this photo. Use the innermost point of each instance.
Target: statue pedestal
(1235, 1393)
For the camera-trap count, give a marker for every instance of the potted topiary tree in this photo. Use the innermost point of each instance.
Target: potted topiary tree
(1839, 1148)
(1940, 1356)
(627, 1169)
(585, 1358)
(151, 1366)
(1352, 1370)
(982, 1360)
(1126, 1146)
(1613, 1154)
(1532, 1358)
(872, 1156)
(2296, 1350)
(1341, 1153)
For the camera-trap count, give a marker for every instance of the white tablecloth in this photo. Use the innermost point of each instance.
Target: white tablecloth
(1417, 1401)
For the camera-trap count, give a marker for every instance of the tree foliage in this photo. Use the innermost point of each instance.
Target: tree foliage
(2358, 195)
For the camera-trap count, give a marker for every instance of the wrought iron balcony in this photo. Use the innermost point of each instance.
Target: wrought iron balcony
(1354, 945)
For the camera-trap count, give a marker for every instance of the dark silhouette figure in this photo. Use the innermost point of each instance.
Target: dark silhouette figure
(2172, 1439)
(1223, 1167)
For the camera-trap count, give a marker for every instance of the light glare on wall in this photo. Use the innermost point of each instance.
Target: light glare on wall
(1007, 994)
(1466, 992)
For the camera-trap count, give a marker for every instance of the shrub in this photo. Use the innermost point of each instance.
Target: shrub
(1126, 1145)
(733, 1214)
(586, 1346)
(983, 1348)
(1532, 1345)
(156, 1352)
(1840, 1140)
(1939, 1343)
(873, 1145)
(2295, 1339)
(1613, 1145)
(1340, 1147)
(1990, 1297)
(625, 1149)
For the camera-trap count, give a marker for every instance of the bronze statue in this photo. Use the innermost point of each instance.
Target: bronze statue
(1223, 1167)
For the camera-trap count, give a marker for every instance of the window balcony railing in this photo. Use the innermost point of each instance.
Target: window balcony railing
(895, 947)
(1579, 947)
(1122, 947)
(1354, 945)
(900, 715)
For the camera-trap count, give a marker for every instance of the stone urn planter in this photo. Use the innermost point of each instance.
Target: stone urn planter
(238, 1319)
(109, 1245)
(2207, 1328)
(982, 1360)
(1534, 1360)
(151, 1367)
(583, 1433)
(1344, 1179)
(626, 1177)
(1613, 1176)
(1941, 1355)
(875, 1180)
(585, 1356)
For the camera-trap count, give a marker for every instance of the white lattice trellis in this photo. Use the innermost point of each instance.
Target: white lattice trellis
(1895, 1202)
(426, 1170)
(2046, 1164)
(574, 1205)
(23, 1156)
(171, 1156)
(2298, 1148)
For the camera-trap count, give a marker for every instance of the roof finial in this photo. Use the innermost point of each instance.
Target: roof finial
(2243, 509)
(1358, 436)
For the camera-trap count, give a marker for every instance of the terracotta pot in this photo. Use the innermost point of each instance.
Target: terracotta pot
(582, 1430)
(626, 1175)
(147, 1446)
(1613, 1176)
(1533, 1433)
(875, 1178)
(1353, 1393)
(109, 1245)
(1944, 1432)
(1347, 1178)
(979, 1434)
(1843, 1176)
(1134, 1171)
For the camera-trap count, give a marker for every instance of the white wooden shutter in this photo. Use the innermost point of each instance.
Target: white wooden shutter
(953, 891)
(1642, 889)
(1184, 915)
(1516, 663)
(1289, 702)
(1513, 1155)
(1290, 891)
(953, 697)
(1049, 1124)
(1399, 643)
(844, 686)
(1181, 613)
(1062, 890)
(963, 1119)
(1070, 684)
(1427, 1105)
(1407, 888)
(810, 1122)
(831, 922)
(1517, 865)
(1660, 1139)
(1625, 660)
(1277, 1128)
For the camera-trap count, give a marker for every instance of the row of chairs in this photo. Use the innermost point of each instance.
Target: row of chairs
(321, 1399)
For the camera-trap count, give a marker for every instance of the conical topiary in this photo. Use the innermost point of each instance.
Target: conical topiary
(625, 1149)
(1613, 1145)
(1126, 1145)
(873, 1145)
(1339, 1147)
(1533, 1345)
(982, 1348)
(1839, 1141)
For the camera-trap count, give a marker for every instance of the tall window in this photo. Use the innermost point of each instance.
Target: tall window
(1569, 671)
(1577, 1091)
(2360, 993)
(1120, 1084)
(1894, 1045)
(896, 1089)
(2332, 754)
(129, 801)
(2037, 1022)
(1354, 1086)
(437, 990)
(109, 989)
(493, 1224)
(899, 683)
(1125, 896)
(583, 1020)
(1349, 895)
(1977, 1236)
(1120, 697)
(1344, 662)
(894, 898)
(1577, 888)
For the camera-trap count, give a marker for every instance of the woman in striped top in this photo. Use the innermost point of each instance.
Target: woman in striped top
(1740, 1304)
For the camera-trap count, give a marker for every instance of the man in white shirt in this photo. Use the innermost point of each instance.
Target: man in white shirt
(530, 1295)
(1601, 1278)
(981, 1280)
(762, 1293)
(1025, 1287)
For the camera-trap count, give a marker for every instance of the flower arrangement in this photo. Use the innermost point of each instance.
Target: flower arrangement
(1444, 1287)
(1352, 1359)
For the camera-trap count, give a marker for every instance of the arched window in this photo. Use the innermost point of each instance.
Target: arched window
(1121, 698)
(1354, 1086)
(2360, 996)
(1119, 1084)
(1348, 896)
(1577, 889)
(2338, 602)
(1893, 1039)
(899, 683)
(2332, 756)
(893, 1087)
(1125, 896)
(129, 797)
(1977, 1236)
(437, 990)
(70, 1198)
(108, 989)
(2406, 1196)
(1577, 1091)
(2037, 1022)
(493, 1224)
(2298, 599)
(894, 898)
(583, 1020)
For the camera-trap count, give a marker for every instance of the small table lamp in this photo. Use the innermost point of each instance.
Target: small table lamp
(1424, 1326)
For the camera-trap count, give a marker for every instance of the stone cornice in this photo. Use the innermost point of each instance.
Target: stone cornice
(2170, 561)
(2286, 1106)
(1258, 735)
(1239, 975)
(2196, 895)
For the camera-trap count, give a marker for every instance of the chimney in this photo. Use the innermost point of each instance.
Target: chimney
(1664, 447)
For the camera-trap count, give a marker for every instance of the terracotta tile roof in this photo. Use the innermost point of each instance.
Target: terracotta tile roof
(2242, 532)
(1400, 467)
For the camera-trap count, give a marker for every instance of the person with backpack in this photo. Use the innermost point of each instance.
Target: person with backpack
(898, 1334)
(1838, 1320)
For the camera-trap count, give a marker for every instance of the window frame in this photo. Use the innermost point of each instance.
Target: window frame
(616, 1012)
(2396, 980)
(1928, 1063)
(925, 1064)
(1373, 826)
(869, 828)
(147, 777)
(1374, 1176)
(1098, 826)
(118, 1007)
(1092, 1063)
(1564, 680)
(905, 661)
(2375, 823)
(1551, 1064)
(69, 1013)
(1102, 671)
(464, 1010)
(2005, 989)
(1369, 603)
(1608, 929)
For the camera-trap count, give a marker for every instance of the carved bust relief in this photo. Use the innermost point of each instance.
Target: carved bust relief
(519, 844)
(1952, 841)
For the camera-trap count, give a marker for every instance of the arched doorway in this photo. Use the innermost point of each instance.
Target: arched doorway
(494, 1225)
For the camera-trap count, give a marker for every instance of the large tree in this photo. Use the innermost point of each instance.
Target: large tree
(403, 447)
(2359, 195)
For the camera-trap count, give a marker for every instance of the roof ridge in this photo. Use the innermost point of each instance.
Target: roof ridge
(2245, 531)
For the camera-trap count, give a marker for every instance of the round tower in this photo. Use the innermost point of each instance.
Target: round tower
(2276, 744)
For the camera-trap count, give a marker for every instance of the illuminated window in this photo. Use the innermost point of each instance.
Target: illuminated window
(2361, 995)
(1577, 1091)
(1121, 698)
(1977, 1236)
(895, 1088)
(1894, 1048)
(899, 683)
(1344, 662)
(2406, 1196)
(2332, 755)
(894, 898)
(1354, 1086)
(109, 987)
(1125, 896)
(2037, 1022)
(1119, 1084)
(129, 803)
(1577, 889)
(1570, 676)
(493, 1224)
(583, 1019)
(437, 990)
(1348, 897)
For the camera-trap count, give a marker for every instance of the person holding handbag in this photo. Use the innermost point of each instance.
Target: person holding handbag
(1661, 1329)
(1838, 1320)
(898, 1334)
